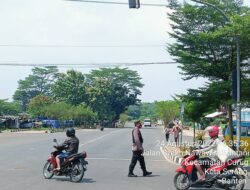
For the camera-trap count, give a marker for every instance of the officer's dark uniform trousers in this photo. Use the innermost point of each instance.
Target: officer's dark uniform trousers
(137, 155)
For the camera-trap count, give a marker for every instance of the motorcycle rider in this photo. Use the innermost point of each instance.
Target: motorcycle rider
(70, 145)
(211, 151)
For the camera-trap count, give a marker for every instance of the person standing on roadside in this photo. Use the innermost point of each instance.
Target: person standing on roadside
(137, 150)
(176, 131)
(167, 132)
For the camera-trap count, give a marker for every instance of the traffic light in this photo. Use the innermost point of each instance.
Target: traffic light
(134, 4)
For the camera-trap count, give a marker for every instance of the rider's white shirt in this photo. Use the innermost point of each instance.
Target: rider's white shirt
(218, 150)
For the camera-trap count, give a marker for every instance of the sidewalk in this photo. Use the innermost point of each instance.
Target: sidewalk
(25, 131)
(28, 131)
(189, 133)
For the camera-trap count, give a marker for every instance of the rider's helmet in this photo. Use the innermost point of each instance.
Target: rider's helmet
(213, 131)
(70, 132)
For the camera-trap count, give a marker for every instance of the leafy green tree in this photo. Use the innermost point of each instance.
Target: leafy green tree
(167, 110)
(205, 45)
(204, 99)
(121, 76)
(111, 90)
(195, 105)
(25, 92)
(82, 114)
(9, 108)
(134, 112)
(148, 110)
(70, 88)
(44, 78)
(37, 104)
(59, 110)
(102, 99)
(123, 119)
(39, 82)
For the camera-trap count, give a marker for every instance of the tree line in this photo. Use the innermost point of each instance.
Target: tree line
(101, 95)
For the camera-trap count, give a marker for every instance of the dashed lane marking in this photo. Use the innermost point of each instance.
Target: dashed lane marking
(98, 138)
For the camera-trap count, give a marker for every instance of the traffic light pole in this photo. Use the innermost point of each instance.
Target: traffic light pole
(238, 115)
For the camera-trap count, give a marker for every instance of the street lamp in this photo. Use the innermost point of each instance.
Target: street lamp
(238, 116)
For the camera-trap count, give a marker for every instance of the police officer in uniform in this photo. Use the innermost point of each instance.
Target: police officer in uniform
(137, 150)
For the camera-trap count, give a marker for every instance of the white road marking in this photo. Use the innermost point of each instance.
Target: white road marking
(98, 138)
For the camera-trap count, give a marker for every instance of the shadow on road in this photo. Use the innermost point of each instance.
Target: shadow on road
(198, 188)
(203, 189)
(152, 128)
(88, 180)
(85, 180)
(143, 128)
(150, 176)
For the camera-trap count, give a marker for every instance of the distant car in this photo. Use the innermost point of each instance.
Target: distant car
(147, 123)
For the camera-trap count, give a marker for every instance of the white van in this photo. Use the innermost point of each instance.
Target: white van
(147, 123)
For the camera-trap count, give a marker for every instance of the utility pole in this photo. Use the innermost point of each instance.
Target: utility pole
(182, 120)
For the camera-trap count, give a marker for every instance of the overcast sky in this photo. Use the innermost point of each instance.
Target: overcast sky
(130, 36)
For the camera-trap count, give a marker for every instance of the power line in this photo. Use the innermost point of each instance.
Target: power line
(119, 3)
(84, 65)
(79, 46)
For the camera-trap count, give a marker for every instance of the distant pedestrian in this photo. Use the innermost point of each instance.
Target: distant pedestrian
(176, 131)
(137, 150)
(167, 132)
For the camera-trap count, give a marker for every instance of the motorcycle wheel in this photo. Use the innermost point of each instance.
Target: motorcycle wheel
(240, 183)
(48, 170)
(77, 172)
(181, 181)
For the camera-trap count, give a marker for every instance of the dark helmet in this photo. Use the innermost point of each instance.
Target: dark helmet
(70, 132)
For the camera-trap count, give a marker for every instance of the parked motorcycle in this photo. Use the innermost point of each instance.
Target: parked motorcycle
(74, 166)
(229, 175)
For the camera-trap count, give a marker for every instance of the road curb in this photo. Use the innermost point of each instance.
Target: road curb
(170, 156)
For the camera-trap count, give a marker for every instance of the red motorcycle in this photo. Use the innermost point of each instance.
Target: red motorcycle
(229, 175)
(73, 166)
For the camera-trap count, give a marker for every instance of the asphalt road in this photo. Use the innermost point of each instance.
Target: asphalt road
(22, 157)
